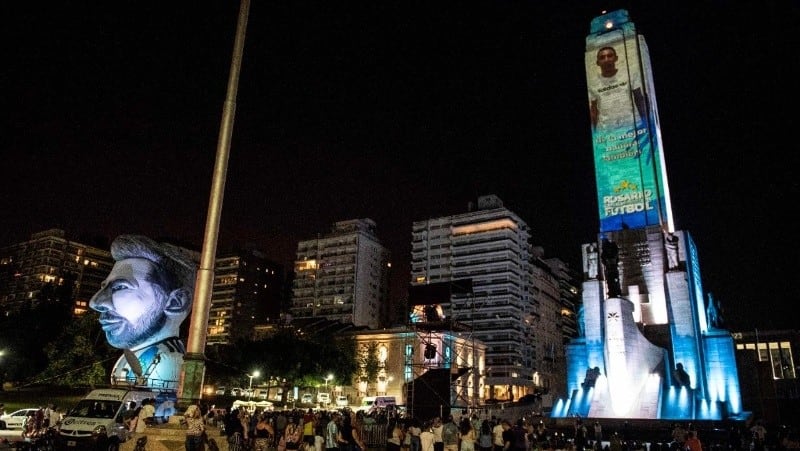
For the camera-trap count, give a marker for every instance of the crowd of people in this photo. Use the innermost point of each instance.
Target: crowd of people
(39, 421)
(309, 430)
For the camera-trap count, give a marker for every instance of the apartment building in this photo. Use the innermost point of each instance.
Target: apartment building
(489, 245)
(343, 275)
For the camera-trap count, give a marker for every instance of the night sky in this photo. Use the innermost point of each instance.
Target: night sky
(397, 111)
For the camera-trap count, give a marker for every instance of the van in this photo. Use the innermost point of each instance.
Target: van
(370, 404)
(97, 421)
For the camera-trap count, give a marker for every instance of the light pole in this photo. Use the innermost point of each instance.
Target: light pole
(327, 378)
(250, 387)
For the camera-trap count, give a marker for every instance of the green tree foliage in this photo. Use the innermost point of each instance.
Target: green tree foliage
(298, 358)
(25, 332)
(80, 355)
(369, 363)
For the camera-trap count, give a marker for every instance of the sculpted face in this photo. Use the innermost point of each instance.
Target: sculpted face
(131, 307)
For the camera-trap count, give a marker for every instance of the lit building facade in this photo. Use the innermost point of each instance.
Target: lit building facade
(488, 245)
(404, 354)
(768, 373)
(50, 259)
(650, 342)
(247, 292)
(343, 275)
(557, 295)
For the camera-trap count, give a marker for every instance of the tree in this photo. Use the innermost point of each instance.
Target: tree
(297, 358)
(79, 355)
(369, 362)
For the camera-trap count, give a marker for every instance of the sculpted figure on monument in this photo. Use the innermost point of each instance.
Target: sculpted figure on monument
(610, 258)
(671, 244)
(591, 261)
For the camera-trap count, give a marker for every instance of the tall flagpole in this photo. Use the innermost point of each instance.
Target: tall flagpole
(194, 367)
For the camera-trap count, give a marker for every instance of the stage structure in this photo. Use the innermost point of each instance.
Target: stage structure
(651, 343)
(447, 372)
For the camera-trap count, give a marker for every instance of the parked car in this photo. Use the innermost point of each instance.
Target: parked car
(342, 401)
(307, 398)
(16, 419)
(237, 392)
(324, 398)
(220, 390)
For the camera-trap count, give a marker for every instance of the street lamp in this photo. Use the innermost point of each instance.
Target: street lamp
(250, 387)
(327, 378)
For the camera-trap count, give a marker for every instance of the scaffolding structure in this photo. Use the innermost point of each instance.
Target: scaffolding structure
(446, 360)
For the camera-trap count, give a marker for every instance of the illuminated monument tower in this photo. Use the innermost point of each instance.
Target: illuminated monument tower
(650, 343)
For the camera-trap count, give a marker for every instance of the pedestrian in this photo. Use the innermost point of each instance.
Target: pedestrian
(332, 433)
(146, 413)
(467, 435)
(692, 442)
(450, 434)
(485, 436)
(264, 433)
(497, 436)
(195, 429)
(598, 432)
(395, 435)
(436, 428)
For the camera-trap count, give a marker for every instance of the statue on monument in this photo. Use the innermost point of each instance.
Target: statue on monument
(590, 379)
(713, 314)
(591, 260)
(671, 244)
(610, 258)
(680, 377)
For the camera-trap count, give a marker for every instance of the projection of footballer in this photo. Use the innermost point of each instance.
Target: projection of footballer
(142, 303)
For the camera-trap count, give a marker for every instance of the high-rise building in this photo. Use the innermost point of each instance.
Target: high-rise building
(649, 345)
(343, 275)
(556, 326)
(489, 247)
(51, 261)
(247, 293)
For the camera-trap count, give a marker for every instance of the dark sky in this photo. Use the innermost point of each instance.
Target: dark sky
(397, 111)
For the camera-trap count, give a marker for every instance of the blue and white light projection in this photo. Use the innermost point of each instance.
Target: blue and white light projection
(650, 346)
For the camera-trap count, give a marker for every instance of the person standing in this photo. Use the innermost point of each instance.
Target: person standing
(195, 428)
(309, 423)
(292, 435)
(345, 436)
(692, 442)
(264, 433)
(497, 436)
(145, 414)
(759, 436)
(414, 431)
(485, 436)
(320, 428)
(467, 435)
(332, 433)
(436, 428)
(395, 435)
(356, 428)
(598, 432)
(450, 434)
(426, 437)
(508, 436)
(235, 430)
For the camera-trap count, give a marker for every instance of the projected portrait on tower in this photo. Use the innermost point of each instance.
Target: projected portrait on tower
(142, 304)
